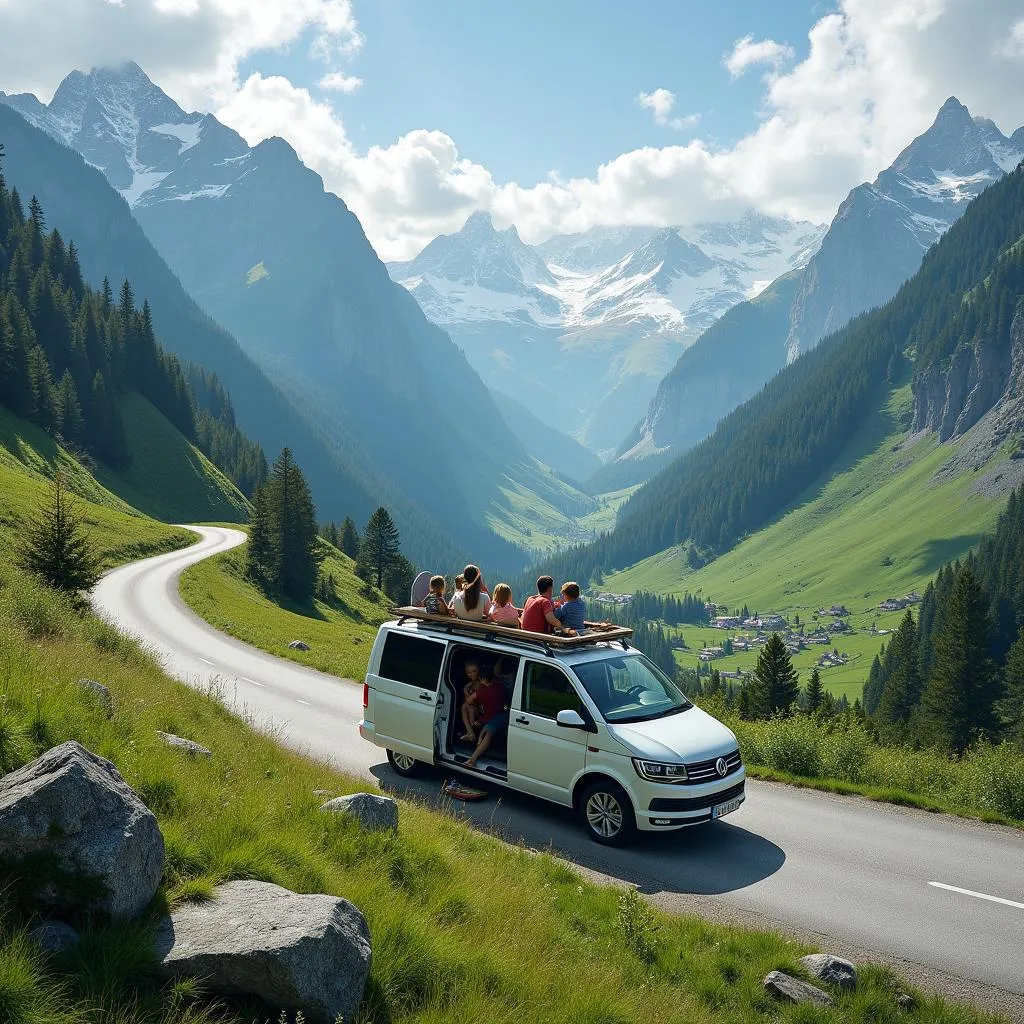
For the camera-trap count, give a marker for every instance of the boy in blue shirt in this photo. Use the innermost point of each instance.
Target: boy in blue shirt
(571, 611)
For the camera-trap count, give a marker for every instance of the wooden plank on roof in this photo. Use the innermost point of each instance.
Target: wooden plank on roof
(599, 632)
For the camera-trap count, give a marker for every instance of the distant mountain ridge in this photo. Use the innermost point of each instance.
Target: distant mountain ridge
(611, 307)
(875, 242)
(285, 266)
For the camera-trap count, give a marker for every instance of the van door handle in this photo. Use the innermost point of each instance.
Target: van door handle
(426, 696)
(523, 721)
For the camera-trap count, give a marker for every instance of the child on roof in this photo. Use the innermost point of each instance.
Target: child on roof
(502, 611)
(571, 611)
(434, 603)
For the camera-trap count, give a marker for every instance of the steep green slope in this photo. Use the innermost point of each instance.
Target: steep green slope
(339, 628)
(167, 477)
(879, 524)
(29, 459)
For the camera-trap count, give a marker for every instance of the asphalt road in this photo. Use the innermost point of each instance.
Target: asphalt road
(940, 897)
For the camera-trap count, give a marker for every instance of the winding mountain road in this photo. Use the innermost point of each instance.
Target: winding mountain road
(940, 898)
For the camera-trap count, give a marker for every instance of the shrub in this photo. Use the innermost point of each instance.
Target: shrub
(792, 745)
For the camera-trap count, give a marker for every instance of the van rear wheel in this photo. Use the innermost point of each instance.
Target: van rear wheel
(607, 813)
(404, 765)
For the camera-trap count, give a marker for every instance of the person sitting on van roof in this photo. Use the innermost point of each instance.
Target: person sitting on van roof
(492, 718)
(571, 611)
(473, 602)
(539, 612)
(434, 603)
(502, 611)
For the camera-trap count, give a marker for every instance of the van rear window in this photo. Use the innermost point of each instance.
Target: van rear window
(408, 659)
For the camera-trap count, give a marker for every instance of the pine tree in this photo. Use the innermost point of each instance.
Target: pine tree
(260, 557)
(398, 579)
(378, 549)
(958, 701)
(69, 412)
(902, 690)
(293, 530)
(775, 686)
(1011, 708)
(54, 545)
(348, 539)
(814, 694)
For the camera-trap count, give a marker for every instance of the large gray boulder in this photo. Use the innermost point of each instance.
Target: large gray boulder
(833, 970)
(82, 837)
(374, 813)
(788, 989)
(187, 746)
(309, 953)
(101, 693)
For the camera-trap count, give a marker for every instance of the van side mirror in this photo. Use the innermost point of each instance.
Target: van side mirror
(570, 719)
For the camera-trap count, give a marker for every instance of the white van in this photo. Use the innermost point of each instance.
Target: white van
(593, 724)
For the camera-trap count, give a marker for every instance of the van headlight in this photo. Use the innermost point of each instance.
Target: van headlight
(659, 771)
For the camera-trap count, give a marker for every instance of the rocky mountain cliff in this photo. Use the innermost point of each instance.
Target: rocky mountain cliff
(883, 229)
(611, 308)
(285, 266)
(875, 242)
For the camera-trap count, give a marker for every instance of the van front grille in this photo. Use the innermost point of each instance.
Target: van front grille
(707, 771)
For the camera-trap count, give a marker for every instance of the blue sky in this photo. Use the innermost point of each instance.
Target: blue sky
(540, 86)
(530, 111)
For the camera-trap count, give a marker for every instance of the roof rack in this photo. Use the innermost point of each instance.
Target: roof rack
(597, 632)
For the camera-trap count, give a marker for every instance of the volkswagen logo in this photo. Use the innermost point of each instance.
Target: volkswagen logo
(721, 767)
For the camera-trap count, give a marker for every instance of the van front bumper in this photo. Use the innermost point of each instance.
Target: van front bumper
(662, 808)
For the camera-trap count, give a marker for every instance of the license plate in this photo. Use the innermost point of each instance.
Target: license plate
(722, 809)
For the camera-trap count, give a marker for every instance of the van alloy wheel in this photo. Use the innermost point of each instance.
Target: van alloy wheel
(404, 765)
(608, 813)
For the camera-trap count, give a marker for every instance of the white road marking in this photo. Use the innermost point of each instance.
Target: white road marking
(246, 679)
(205, 662)
(978, 895)
(306, 702)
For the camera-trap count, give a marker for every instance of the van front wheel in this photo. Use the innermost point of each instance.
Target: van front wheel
(404, 765)
(607, 813)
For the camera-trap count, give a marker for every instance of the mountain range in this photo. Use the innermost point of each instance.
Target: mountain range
(875, 242)
(612, 307)
(282, 264)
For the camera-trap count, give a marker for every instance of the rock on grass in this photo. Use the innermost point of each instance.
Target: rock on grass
(374, 813)
(78, 836)
(788, 989)
(308, 953)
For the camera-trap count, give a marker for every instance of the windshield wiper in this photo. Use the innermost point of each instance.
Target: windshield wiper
(658, 714)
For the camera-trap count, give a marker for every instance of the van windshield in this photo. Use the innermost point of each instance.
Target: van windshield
(630, 689)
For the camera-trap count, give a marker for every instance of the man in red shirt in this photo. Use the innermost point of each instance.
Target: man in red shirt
(539, 612)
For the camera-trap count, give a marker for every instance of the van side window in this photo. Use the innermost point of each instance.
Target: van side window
(547, 690)
(409, 659)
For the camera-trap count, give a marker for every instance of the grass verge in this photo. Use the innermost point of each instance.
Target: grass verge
(438, 896)
(339, 631)
(839, 756)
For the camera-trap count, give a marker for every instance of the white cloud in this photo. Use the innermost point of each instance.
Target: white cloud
(338, 81)
(1013, 46)
(875, 73)
(746, 53)
(661, 103)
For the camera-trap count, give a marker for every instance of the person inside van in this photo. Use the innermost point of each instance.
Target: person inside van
(502, 611)
(434, 603)
(492, 717)
(471, 707)
(472, 602)
(571, 611)
(539, 612)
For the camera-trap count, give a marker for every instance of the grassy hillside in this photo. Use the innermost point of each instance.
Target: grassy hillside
(28, 460)
(169, 478)
(339, 632)
(579, 953)
(894, 511)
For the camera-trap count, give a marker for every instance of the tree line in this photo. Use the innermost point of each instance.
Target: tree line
(779, 442)
(68, 354)
(286, 545)
(957, 674)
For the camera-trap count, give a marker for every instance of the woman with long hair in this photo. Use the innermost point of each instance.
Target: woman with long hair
(473, 601)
